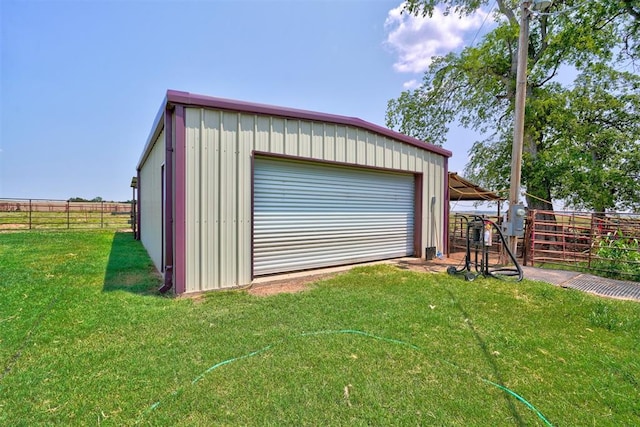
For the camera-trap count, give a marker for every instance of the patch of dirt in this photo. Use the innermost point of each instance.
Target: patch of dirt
(11, 227)
(300, 284)
(435, 265)
(291, 286)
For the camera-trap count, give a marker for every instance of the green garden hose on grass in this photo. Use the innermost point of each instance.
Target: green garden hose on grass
(353, 332)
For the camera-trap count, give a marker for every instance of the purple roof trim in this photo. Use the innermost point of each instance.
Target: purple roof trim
(188, 99)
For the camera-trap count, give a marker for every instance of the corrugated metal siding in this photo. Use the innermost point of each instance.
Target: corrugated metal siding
(218, 211)
(309, 215)
(151, 202)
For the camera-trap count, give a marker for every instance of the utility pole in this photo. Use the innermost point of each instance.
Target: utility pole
(518, 123)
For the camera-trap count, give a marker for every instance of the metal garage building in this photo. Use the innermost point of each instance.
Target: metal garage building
(229, 190)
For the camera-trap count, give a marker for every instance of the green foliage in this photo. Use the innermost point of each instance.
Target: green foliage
(618, 256)
(582, 140)
(81, 199)
(94, 200)
(425, 7)
(596, 141)
(623, 18)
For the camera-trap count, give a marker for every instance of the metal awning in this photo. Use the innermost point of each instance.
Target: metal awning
(462, 189)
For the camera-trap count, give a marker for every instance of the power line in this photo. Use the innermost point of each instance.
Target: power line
(483, 22)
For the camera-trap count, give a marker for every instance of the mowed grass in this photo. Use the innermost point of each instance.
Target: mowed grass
(43, 220)
(85, 340)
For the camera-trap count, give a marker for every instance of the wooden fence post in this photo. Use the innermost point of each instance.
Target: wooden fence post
(102, 214)
(68, 215)
(30, 211)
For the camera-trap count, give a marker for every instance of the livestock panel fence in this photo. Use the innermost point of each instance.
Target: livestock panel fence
(607, 244)
(458, 233)
(30, 214)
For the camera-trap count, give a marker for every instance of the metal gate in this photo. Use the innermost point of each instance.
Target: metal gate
(309, 215)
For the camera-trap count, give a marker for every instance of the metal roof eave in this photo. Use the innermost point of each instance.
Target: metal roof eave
(462, 189)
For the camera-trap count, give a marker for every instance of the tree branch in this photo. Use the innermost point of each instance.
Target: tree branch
(544, 44)
(629, 7)
(508, 13)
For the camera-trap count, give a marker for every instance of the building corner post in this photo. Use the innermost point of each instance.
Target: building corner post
(168, 201)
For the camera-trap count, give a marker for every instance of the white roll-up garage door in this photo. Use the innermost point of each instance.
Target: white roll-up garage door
(309, 215)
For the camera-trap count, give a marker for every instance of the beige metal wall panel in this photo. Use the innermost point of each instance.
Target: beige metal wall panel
(277, 135)
(433, 219)
(395, 159)
(329, 142)
(350, 151)
(402, 156)
(192, 209)
(317, 140)
(305, 139)
(374, 154)
(371, 150)
(291, 140)
(218, 212)
(263, 133)
(243, 193)
(228, 191)
(341, 144)
(361, 148)
(219, 181)
(151, 202)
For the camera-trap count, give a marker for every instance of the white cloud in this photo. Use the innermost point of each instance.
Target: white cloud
(411, 84)
(416, 40)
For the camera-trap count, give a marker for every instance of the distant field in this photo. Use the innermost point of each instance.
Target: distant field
(62, 215)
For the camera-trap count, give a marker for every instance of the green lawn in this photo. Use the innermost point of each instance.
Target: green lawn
(43, 220)
(84, 340)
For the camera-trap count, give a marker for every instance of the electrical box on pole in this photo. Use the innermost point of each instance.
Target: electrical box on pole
(515, 226)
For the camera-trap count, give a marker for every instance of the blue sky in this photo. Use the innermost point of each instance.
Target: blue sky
(81, 81)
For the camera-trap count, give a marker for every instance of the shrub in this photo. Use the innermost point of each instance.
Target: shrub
(618, 256)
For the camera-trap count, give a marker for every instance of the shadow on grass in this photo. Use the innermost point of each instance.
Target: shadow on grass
(129, 268)
(490, 358)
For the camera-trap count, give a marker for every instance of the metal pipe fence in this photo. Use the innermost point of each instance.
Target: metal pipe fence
(458, 232)
(44, 214)
(458, 236)
(607, 244)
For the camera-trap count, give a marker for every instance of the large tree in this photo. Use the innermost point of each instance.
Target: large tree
(477, 88)
(595, 146)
